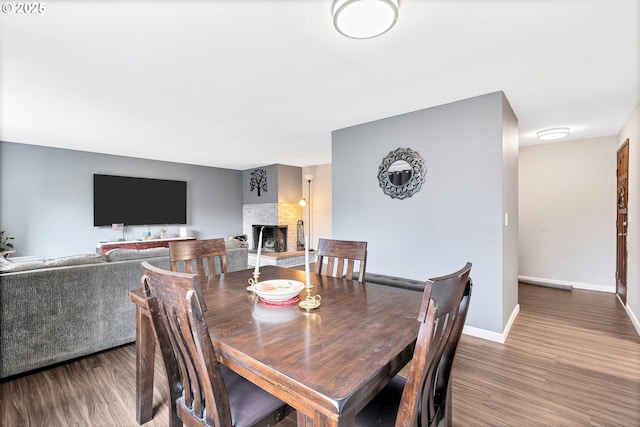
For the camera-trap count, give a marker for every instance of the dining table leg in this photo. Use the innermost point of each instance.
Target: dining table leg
(145, 358)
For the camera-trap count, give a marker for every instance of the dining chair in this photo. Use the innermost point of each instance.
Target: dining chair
(341, 257)
(203, 253)
(202, 392)
(424, 397)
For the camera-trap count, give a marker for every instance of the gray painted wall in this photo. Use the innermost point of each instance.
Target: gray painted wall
(470, 151)
(510, 196)
(251, 196)
(283, 185)
(46, 198)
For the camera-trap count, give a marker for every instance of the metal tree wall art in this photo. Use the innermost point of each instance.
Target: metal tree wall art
(258, 180)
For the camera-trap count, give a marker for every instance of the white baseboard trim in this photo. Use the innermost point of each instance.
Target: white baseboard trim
(598, 288)
(512, 319)
(566, 285)
(490, 335)
(634, 319)
(632, 316)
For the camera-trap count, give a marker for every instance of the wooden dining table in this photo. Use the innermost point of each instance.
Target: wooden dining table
(326, 363)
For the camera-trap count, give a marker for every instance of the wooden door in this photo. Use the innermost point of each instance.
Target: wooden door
(621, 221)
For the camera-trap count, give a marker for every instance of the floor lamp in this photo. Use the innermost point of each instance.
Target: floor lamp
(304, 202)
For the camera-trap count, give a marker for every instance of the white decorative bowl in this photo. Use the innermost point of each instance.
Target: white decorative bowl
(278, 290)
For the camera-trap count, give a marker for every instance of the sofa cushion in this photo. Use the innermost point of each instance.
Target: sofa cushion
(12, 267)
(75, 260)
(127, 254)
(65, 261)
(234, 244)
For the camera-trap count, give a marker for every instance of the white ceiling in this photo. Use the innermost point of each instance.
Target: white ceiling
(244, 83)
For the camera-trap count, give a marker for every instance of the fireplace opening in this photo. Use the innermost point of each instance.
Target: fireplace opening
(274, 237)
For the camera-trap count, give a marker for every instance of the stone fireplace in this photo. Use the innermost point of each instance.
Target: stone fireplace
(274, 215)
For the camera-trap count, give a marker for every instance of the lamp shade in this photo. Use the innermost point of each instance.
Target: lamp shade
(364, 19)
(554, 133)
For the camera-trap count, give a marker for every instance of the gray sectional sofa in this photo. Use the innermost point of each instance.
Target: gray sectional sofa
(55, 310)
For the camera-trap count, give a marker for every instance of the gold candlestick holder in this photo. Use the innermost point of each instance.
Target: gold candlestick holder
(253, 281)
(311, 302)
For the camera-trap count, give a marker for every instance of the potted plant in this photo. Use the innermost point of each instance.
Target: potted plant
(6, 247)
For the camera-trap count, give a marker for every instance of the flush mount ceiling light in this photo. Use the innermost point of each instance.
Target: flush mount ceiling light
(554, 133)
(364, 19)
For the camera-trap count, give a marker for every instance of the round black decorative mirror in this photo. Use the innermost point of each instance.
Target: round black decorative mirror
(401, 173)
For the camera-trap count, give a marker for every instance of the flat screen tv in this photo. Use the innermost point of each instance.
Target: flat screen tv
(138, 201)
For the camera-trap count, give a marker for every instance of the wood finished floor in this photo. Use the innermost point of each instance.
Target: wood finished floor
(571, 359)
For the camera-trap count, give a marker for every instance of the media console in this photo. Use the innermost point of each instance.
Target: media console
(105, 247)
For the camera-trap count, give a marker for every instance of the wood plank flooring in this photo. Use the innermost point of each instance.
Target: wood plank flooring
(572, 359)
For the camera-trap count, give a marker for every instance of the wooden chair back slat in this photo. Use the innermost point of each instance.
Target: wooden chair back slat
(196, 385)
(426, 397)
(184, 254)
(203, 253)
(334, 256)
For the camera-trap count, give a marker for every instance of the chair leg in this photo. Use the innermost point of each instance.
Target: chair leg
(174, 418)
(448, 409)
